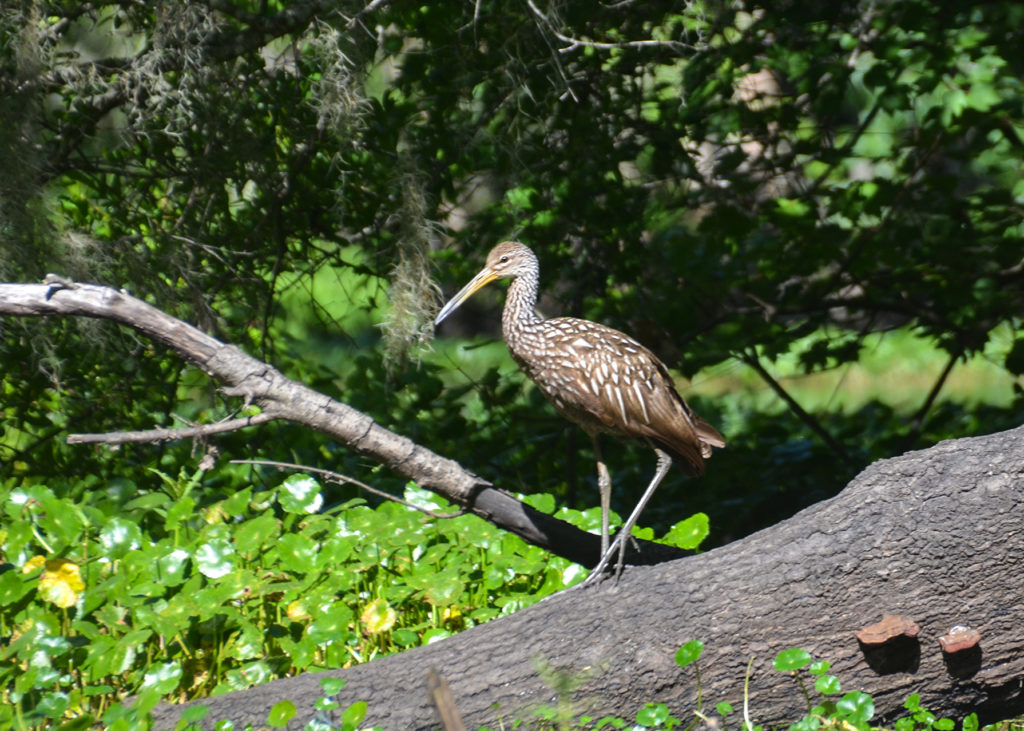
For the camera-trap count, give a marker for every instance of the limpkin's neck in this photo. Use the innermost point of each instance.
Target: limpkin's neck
(520, 312)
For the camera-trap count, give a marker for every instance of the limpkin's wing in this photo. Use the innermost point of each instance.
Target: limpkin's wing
(607, 382)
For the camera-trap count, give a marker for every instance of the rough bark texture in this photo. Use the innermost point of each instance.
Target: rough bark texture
(933, 535)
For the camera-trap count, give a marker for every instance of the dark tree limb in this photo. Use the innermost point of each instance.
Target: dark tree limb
(256, 382)
(751, 358)
(917, 420)
(934, 536)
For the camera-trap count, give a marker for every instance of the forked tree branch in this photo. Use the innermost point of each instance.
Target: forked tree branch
(258, 383)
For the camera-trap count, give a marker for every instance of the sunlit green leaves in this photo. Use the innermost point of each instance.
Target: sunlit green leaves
(172, 566)
(281, 713)
(354, 714)
(256, 533)
(655, 715)
(688, 534)
(828, 685)
(301, 494)
(378, 616)
(298, 553)
(162, 678)
(61, 582)
(215, 558)
(792, 659)
(689, 653)
(856, 706)
(330, 623)
(119, 536)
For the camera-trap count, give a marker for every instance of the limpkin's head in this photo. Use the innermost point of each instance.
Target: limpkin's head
(508, 259)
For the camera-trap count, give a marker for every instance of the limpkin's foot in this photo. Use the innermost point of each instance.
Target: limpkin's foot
(599, 572)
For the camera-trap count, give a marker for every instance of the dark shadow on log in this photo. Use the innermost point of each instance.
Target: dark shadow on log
(964, 664)
(933, 535)
(900, 655)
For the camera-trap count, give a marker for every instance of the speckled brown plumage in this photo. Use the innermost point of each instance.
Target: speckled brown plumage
(597, 377)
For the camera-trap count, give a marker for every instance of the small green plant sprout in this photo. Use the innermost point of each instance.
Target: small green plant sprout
(921, 719)
(794, 660)
(724, 709)
(656, 715)
(688, 655)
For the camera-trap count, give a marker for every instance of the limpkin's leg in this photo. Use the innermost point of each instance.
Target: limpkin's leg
(604, 484)
(619, 544)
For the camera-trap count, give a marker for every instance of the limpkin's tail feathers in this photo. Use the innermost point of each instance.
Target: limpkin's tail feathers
(686, 454)
(707, 434)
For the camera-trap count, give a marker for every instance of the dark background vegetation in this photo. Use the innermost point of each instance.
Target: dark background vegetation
(756, 193)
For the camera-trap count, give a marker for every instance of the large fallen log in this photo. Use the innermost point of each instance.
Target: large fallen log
(933, 536)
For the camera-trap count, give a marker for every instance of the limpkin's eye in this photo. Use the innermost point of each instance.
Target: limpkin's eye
(504, 259)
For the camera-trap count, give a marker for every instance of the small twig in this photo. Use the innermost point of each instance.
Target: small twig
(574, 43)
(754, 362)
(345, 479)
(444, 703)
(917, 420)
(371, 7)
(166, 435)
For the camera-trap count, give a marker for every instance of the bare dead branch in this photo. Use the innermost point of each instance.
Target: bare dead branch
(577, 43)
(166, 435)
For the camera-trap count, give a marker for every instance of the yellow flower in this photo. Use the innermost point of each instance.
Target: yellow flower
(379, 616)
(452, 616)
(61, 582)
(32, 564)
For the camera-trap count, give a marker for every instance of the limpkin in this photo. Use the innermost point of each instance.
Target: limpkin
(599, 378)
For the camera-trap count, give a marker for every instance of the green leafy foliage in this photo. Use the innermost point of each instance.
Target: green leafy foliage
(248, 587)
(656, 715)
(921, 719)
(853, 711)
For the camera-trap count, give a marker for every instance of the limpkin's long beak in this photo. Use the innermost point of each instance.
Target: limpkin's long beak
(486, 276)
